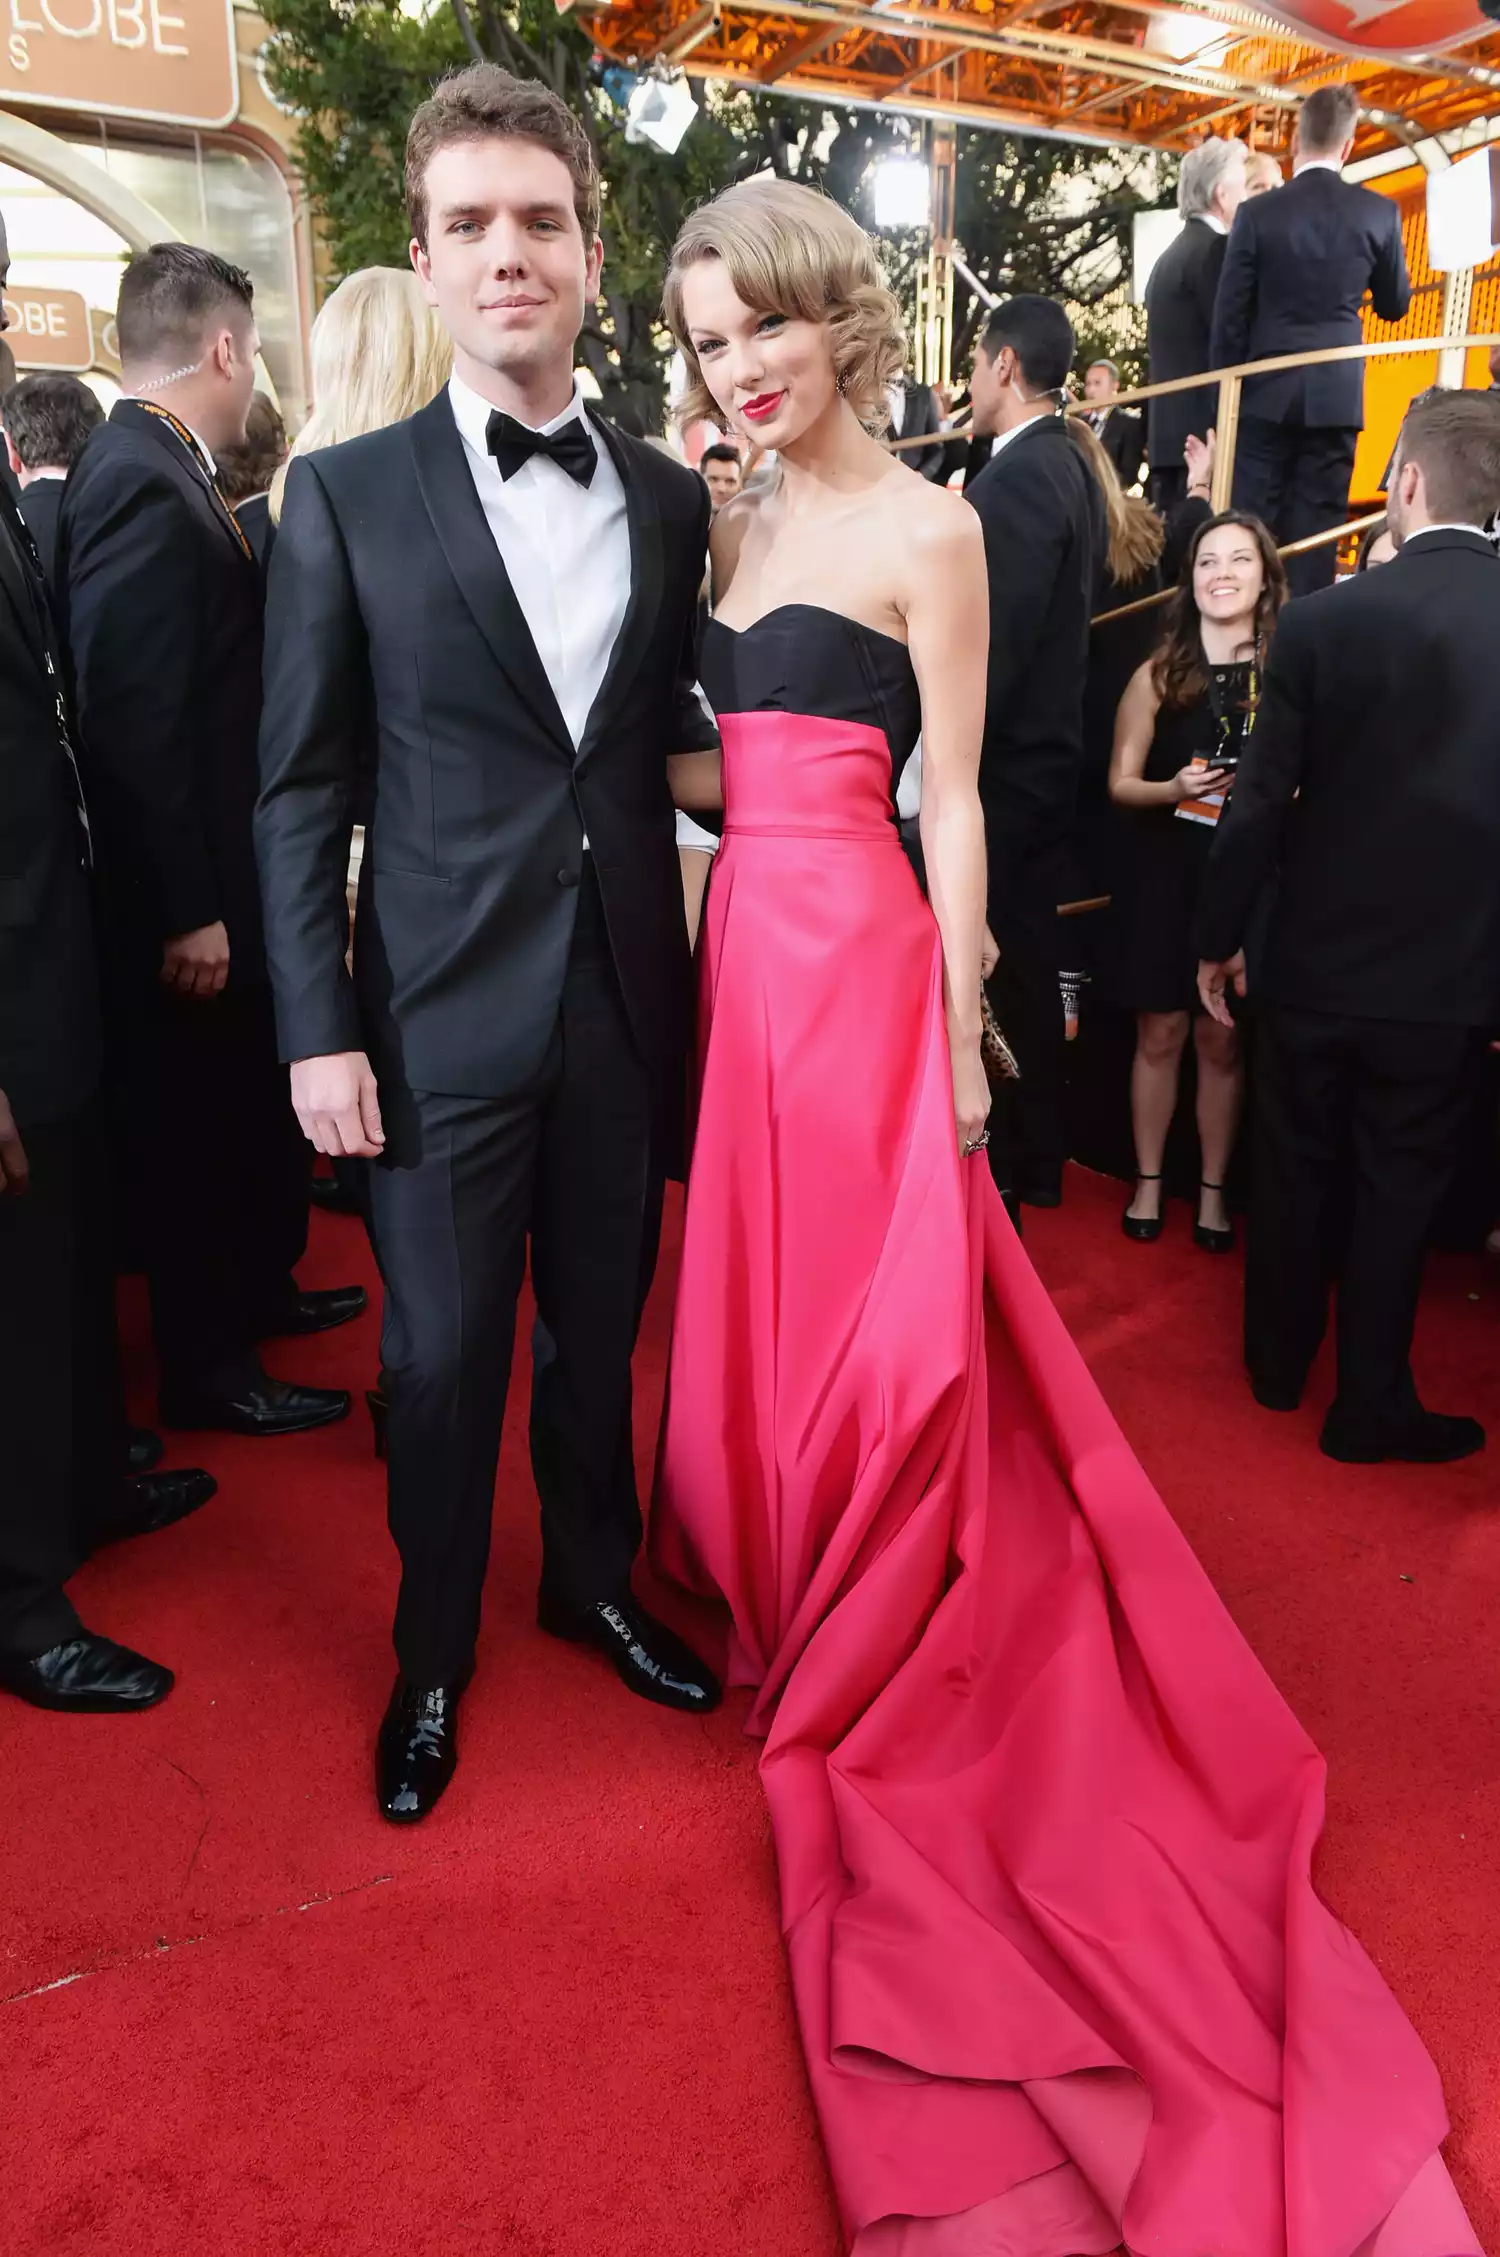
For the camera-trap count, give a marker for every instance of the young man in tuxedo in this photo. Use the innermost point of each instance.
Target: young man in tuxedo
(501, 592)
(162, 606)
(1120, 431)
(47, 420)
(1043, 519)
(1180, 293)
(1296, 270)
(1371, 790)
(64, 1486)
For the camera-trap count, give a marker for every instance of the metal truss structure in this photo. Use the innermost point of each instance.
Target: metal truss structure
(1144, 72)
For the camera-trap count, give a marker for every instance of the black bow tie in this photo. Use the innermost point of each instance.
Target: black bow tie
(513, 445)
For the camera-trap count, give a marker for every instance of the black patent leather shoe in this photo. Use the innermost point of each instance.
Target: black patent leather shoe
(143, 1450)
(417, 1751)
(318, 1312)
(1275, 1394)
(154, 1501)
(266, 1406)
(1424, 1438)
(648, 1657)
(88, 1675)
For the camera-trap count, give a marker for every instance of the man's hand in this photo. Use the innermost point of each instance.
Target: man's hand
(1214, 982)
(335, 1100)
(15, 1173)
(197, 963)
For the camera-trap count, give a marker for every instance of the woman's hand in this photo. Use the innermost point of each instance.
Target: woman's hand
(1197, 783)
(971, 1095)
(1199, 455)
(989, 955)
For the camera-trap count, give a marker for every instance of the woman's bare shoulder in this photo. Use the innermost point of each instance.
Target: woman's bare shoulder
(938, 529)
(728, 534)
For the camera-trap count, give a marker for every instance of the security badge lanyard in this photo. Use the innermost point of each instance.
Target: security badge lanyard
(212, 483)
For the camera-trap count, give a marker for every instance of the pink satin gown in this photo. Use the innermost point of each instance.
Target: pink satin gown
(1044, 1825)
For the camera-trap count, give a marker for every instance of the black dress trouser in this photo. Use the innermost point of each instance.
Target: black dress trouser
(1028, 1133)
(1295, 478)
(573, 1165)
(1388, 1102)
(214, 1167)
(62, 1413)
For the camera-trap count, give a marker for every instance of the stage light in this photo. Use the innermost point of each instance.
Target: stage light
(1463, 212)
(1184, 36)
(903, 193)
(659, 112)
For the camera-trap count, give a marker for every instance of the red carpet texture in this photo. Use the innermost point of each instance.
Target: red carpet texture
(242, 2017)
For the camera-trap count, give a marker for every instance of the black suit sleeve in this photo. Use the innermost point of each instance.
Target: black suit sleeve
(1390, 284)
(1026, 538)
(1182, 523)
(1234, 300)
(134, 624)
(314, 717)
(1266, 783)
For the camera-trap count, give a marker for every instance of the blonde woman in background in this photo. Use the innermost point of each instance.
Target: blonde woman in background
(378, 354)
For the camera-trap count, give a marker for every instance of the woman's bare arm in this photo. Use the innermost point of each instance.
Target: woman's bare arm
(948, 629)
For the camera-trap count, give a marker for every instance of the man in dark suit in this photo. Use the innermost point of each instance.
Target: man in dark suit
(47, 420)
(1120, 431)
(915, 413)
(1372, 783)
(63, 1482)
(500, 594)
(1296, 270)
(162, 602)
(1043, 519)
(1180, 296)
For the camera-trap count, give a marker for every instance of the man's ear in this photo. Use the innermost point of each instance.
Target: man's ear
(16, 464)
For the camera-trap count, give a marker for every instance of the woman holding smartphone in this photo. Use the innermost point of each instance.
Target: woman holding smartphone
(1182, 723)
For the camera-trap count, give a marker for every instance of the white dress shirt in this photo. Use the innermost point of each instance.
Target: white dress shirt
(565, 548)
(895, 400)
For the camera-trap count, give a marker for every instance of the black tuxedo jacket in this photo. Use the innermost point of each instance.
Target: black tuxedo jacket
(1296, 270)
(1043, 519)
(923, 415)
(1123, 439)
(1372, 778)
(1180, 294)
(162, 612)
(40, 504)
(50, 1043)
(392, 624)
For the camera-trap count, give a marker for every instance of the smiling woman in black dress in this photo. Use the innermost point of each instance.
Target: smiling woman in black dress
(1181, 726)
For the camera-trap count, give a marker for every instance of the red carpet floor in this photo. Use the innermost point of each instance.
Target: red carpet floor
(244, 2018)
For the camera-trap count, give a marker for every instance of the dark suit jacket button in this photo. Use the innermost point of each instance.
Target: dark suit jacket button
(567, 877)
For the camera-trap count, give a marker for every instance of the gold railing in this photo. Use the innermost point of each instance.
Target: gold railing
(1230, 382)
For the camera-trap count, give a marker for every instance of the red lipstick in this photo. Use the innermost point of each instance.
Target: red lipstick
(763, 406)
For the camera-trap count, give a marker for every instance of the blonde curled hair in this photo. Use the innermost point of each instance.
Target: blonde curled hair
(378, 354)
(790, 250)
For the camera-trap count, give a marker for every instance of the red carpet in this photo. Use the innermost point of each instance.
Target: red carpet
(244, 2018)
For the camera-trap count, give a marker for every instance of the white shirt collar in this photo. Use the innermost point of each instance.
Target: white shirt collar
(1212, 219)
(472, 413)
(1421, 529)
(1003, 438)
(1316, 164)
(204, 449)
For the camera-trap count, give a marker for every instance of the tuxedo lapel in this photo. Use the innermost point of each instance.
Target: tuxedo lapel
(463, 532)
(644, 521)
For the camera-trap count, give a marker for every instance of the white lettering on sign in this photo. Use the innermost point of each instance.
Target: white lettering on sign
(132, 24)
(73, 31)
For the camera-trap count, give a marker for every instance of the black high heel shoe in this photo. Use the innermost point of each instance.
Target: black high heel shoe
(1144, 1229)
(1213, 1241)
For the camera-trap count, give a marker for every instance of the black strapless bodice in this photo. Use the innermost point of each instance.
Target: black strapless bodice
(801, 658)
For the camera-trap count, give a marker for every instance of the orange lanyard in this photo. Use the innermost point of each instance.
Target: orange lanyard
(212, 484)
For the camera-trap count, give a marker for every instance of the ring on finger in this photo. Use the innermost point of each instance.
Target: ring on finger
(976, 1143)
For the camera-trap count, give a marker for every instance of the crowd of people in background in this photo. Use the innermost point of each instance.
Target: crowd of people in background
(1263, 785)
